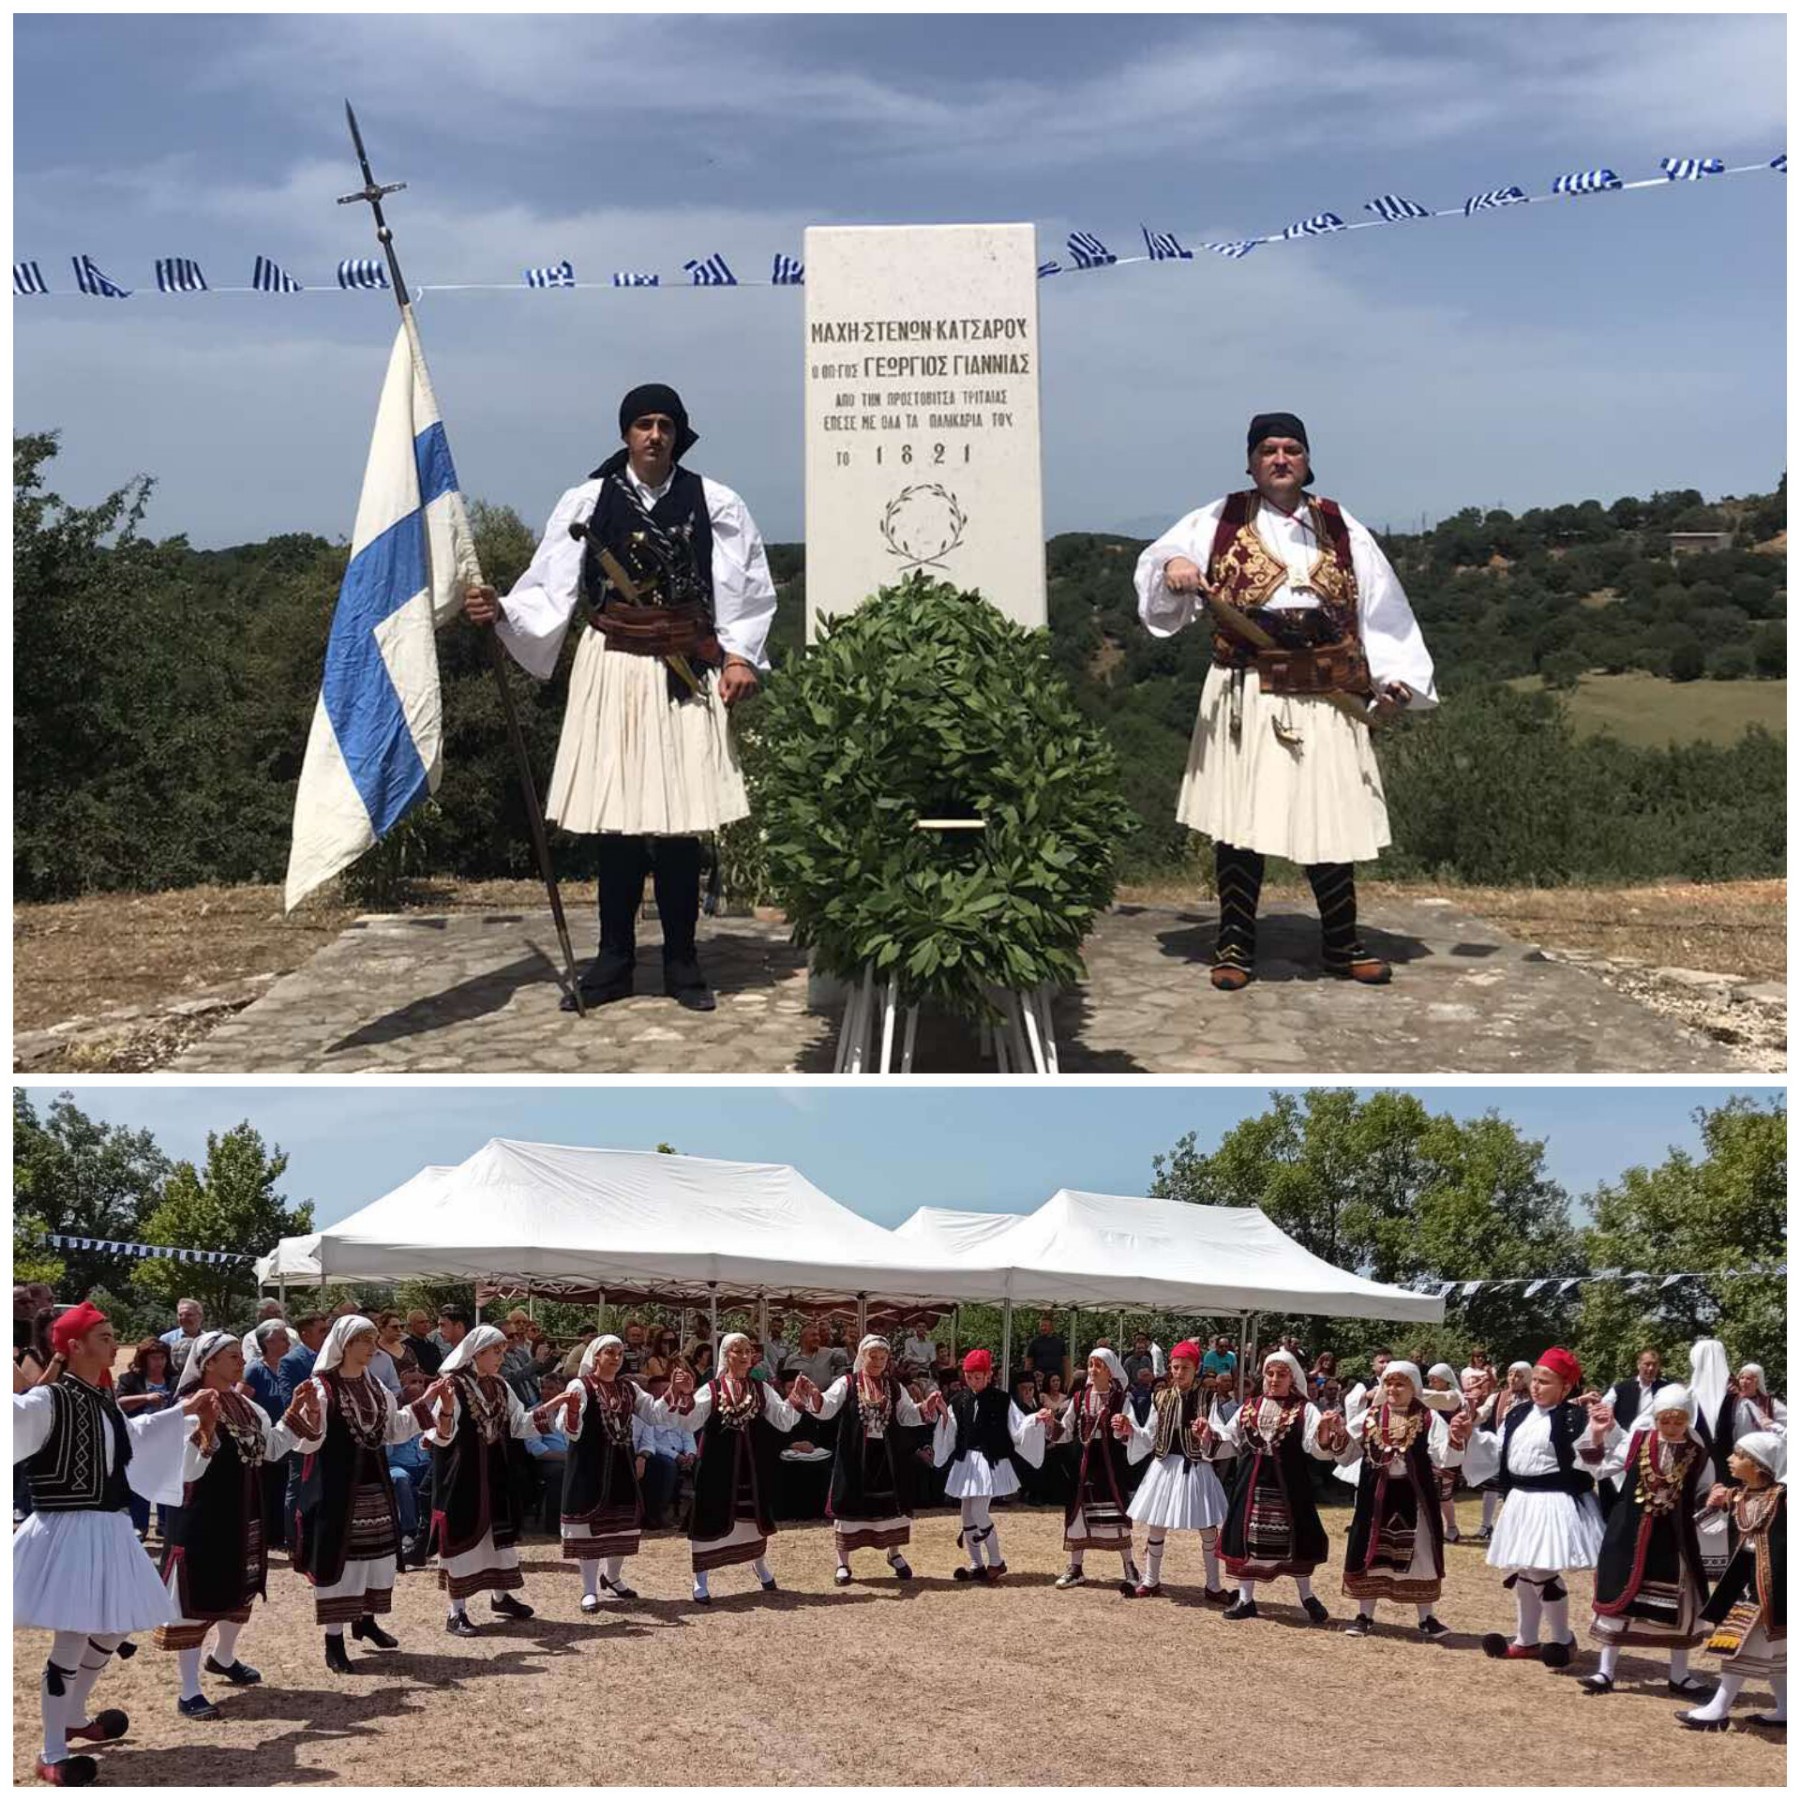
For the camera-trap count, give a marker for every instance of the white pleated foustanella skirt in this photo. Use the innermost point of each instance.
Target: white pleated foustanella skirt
(1317, 799)
(1544, 1530)
(973, 1477)
(1176, 1495)
(631, 759)
(86, 1571)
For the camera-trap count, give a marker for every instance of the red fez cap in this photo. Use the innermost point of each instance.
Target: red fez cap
(978, 1361)
(77, 1322)
(1562, 1364)
(1186, 1350)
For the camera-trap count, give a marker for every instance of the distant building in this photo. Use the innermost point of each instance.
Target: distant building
(1698, 543)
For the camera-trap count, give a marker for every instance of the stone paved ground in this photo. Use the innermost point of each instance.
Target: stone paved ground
(478, 993)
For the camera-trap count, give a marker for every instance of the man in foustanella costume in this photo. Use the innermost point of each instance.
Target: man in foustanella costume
(1102, 1432)
(979, 1435)
(1312, 638)
(79, 1571)
(646, 761)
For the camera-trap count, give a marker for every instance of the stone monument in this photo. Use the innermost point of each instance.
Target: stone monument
(922, 450)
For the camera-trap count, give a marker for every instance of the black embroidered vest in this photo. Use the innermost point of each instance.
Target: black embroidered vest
(69, 1474)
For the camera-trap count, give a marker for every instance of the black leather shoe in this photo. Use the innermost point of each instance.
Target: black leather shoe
(371, 1633)
(600, 991)
(240, 1674)
(686, 986)
(335, 1659)
(509, 1608)
(197, 1708)
(1315, 1609)
(461, 1625)
(1240, 1609)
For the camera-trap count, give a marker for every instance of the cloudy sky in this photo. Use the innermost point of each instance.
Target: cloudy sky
(980, 1149)
(1547, 353)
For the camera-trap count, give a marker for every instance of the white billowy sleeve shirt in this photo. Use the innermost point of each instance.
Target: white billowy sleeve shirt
(534, 617)
(1391, 637)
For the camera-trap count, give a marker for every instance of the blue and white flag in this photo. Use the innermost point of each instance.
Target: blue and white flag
(634, 278)
(1316, 226)
(1506, 196)
(1088, 251)
(561, 275)
(28, 278)
(271, 278)
(377, 732)
(1779, 163)
(1393, 206)
(362, 272)
(91, 281)
(710, 271)
(1690, 168)
(1242, 247)
(1049, 268)
(1587, 181)
(179, 275)
(1164, 247)
(789, 271)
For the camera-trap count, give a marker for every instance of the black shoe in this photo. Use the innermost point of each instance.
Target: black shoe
(1360, 1626)
(461, 1625)
(1240, 1609)
(1690, 1685)
(601, 986)
(1556, 1656)
(618, 1589)
(1688, 1722)
(1315, 1609)
(1595, 1684)
(370, 1633)
(1433, 1628)
(197, 1708)
(768, 1587)
(902, 1569)
(335, 1659)
(69, 1771)
(842, 1577)
(686, 986)
(103, 1728)
(240, 1674)
(509, 1608)
(963, 1573)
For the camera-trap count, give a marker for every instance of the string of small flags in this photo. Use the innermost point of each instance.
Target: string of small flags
(107, 1247)
(1083, 250)
(1566, 1284)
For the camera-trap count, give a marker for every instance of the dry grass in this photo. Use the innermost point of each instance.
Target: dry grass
(875, 1684)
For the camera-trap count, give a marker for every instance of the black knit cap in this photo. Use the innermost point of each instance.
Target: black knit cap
(658, 397)
(1280, 424)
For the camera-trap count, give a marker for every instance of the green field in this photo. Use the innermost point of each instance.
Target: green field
(1647, 710)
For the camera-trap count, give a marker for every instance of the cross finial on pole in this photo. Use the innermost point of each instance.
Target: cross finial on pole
(374, 193)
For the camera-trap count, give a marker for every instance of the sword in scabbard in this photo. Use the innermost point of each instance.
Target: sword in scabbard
(628, 591)
(1239, 626)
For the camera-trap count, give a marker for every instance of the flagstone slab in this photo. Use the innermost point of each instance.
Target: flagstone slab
(478, 993)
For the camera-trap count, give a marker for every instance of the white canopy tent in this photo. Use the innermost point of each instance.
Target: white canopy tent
(294, 1260)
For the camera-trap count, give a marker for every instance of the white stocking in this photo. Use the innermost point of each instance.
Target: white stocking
(613, 1568)
(459, 1609)
(1490, 1508)
(1556, 1616)
(1247, 1591)
(1720, 1704)
(761, 1570)
(1423, 1611)
(1778, 1687)
(1609, 1660)
(189, 1661)
(96, 1653)
(1303, 1585)
(1678, 1664)
(1153, 1555)
(1209, 1548)
(590, 1577)
(65, 1660)
(700, 1588)
(226, 1643)
(1366, 1609)
(991, 1543)
(1530, 1601)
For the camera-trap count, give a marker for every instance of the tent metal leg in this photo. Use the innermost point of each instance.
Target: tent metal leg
(1042, 1001)
(889, 1005)
(713, 1320)
(865, 1018)
(1025, 1008)
(955, 1329)
(1006, 1342)
(911, 1037)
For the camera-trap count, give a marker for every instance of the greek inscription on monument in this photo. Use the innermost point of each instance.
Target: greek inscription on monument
(922, 414)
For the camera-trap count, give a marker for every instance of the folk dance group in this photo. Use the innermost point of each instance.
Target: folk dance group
(80, 1572)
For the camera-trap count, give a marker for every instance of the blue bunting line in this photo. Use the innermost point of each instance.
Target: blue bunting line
(107, 1247)
(1085, 252)
(1564, 1284)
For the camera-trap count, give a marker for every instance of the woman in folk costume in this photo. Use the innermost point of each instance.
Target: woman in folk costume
(1272, 1526)
(734, 1418)
(217, 1558)
(979, 1433)
(1443, 1392)
(1748, 1609)
(1400, 1445)
(475, 1480)
(1757, 1408)
(872, 1471)
(1106, 1439)
(1482, 1398)
(1179, 1491)
(602, 1499)
(346, 1542)
(79, 1571)
(1551, 1520)
(1650, 1583)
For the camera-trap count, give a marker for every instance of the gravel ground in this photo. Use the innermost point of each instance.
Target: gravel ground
(931, 1684)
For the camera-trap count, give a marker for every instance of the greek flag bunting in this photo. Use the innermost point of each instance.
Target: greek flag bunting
(179, 275)
(377, 733)
(1242, 247)
(362, 272)
(1316, 226)
(107, 1247)
(1393, 206)
(632, 278)
(710, 271)
(1163, 246)
(561, 275)
(1088, 251)
(271, 278)
(1690, 168)
(1049, 268)
(91, 281)
(1506, 196)
(789, 271)
(28, 278)
(1779, 163)
(1588, 181)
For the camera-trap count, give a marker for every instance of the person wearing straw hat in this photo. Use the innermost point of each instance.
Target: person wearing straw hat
(671, 569)
(1312, 638)
(1399, 1445)
(602, 1498)
(216, 1561)
(1748, 1608)
(1272, 1526)
(872, 1471)
(475, 1465)
(1650, 1583)
(733, 1515)
(1548, 1454)
(346, 1541)
(79, 1571)
(1179, 1491)
(1097, 1424)
(979, 1434)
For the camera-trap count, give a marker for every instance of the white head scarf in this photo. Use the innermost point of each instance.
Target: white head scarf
(1409, 1370)
(206, 1346)
(1762, 1381)
(1709, 1377)
(331, 1352)
(1769, 1448)
(1293, 1364)
(874, 1341)
(1670, 1397)
(1448, 1399)
(483, 1337)
(1114, 1367)
(725, 1343)
(1512, 1368)
(591, 1355)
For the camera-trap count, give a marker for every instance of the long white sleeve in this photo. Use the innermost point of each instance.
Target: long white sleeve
(1310, 1440)
(906, 1409)
(693, 1420)
(32, 1419)
(831, 1402)
(1164, 613)
(1444, 1454)
(780, 1413)
(943, 1438)
(158, 1451)
(1027, 1431)
(534, 617)
(743, 591)
(1391, 637)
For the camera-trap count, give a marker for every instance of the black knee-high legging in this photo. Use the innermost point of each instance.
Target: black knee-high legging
(673, 864)
(1334, 888)
(1238, 874)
